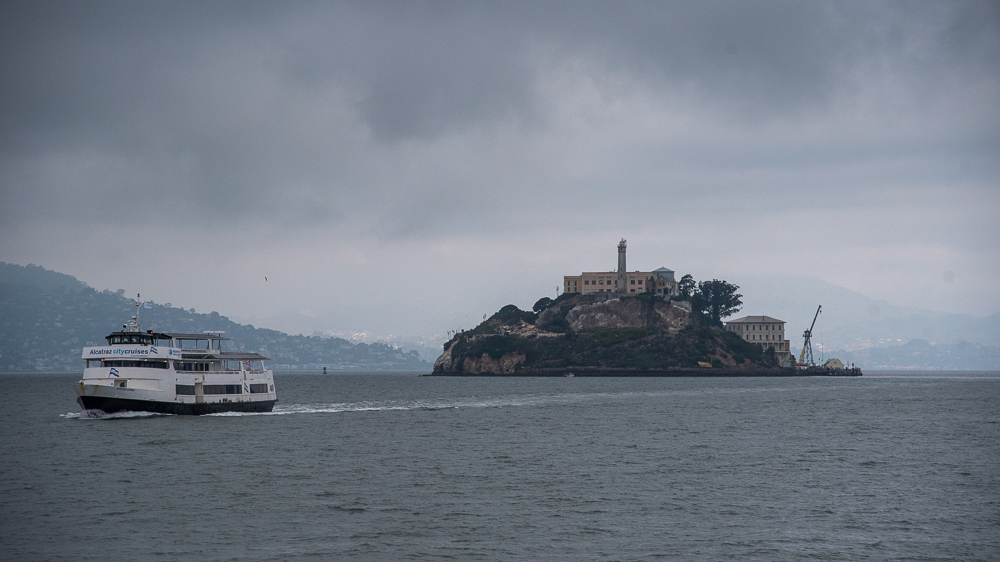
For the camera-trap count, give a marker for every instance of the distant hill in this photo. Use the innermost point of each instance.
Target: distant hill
(46, 318)
(853, 321)
(922, 355)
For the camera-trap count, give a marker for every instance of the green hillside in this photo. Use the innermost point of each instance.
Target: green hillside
(46, 318)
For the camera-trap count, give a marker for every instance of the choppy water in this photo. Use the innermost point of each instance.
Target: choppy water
(395, 467)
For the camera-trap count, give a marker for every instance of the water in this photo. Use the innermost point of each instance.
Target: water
(399, 467)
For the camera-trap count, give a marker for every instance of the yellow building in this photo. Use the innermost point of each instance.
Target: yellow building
(763, 331)
(622, 282)
(660, 282)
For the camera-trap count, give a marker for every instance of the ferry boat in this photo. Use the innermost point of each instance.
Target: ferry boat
(147, 371)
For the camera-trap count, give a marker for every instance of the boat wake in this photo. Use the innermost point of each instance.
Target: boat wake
(389, 406)
(430, 404)
(347, 407)
(99, 415)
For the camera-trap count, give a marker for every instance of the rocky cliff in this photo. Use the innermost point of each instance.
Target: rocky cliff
(595, 332)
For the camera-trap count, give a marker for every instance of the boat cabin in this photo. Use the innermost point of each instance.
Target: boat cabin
(199, 353)
(207, 341)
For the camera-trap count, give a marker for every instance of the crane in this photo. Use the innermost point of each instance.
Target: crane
(807, 345)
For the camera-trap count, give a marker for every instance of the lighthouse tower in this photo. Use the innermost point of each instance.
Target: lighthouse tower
(621, 285)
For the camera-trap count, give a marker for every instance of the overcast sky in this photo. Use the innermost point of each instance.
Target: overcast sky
(457, 156)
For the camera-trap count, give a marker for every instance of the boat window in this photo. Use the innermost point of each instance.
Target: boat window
(185, 389)
(223, 389)
(124, 363)
(258, 388)
(187, 366)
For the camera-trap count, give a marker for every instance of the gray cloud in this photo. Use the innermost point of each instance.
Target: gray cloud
(429, 121)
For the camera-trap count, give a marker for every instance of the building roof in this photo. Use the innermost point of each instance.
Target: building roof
(663, 269)
(749, 319)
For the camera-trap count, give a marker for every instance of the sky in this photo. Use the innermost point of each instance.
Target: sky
(359, 159)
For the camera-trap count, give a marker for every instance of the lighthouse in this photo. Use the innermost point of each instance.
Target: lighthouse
(621, 285)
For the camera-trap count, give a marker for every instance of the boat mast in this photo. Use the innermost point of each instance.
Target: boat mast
(133, 324)
(807, 348)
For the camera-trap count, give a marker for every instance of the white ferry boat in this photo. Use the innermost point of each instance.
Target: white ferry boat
(173, 374)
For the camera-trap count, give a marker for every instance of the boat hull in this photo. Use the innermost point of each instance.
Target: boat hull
(111, 405)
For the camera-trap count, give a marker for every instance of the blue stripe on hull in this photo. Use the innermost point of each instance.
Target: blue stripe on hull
(112, 405)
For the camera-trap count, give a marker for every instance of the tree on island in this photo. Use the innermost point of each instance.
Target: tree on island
(687, 287)
(718, 298)
(541, 304)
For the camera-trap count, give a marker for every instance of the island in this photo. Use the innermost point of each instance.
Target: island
(605, 335)
(638, 323)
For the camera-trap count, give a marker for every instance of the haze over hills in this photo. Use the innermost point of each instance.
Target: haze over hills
(408, 327)
(849, 325)
(47, 314)
(48, 317)
(852, 321)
